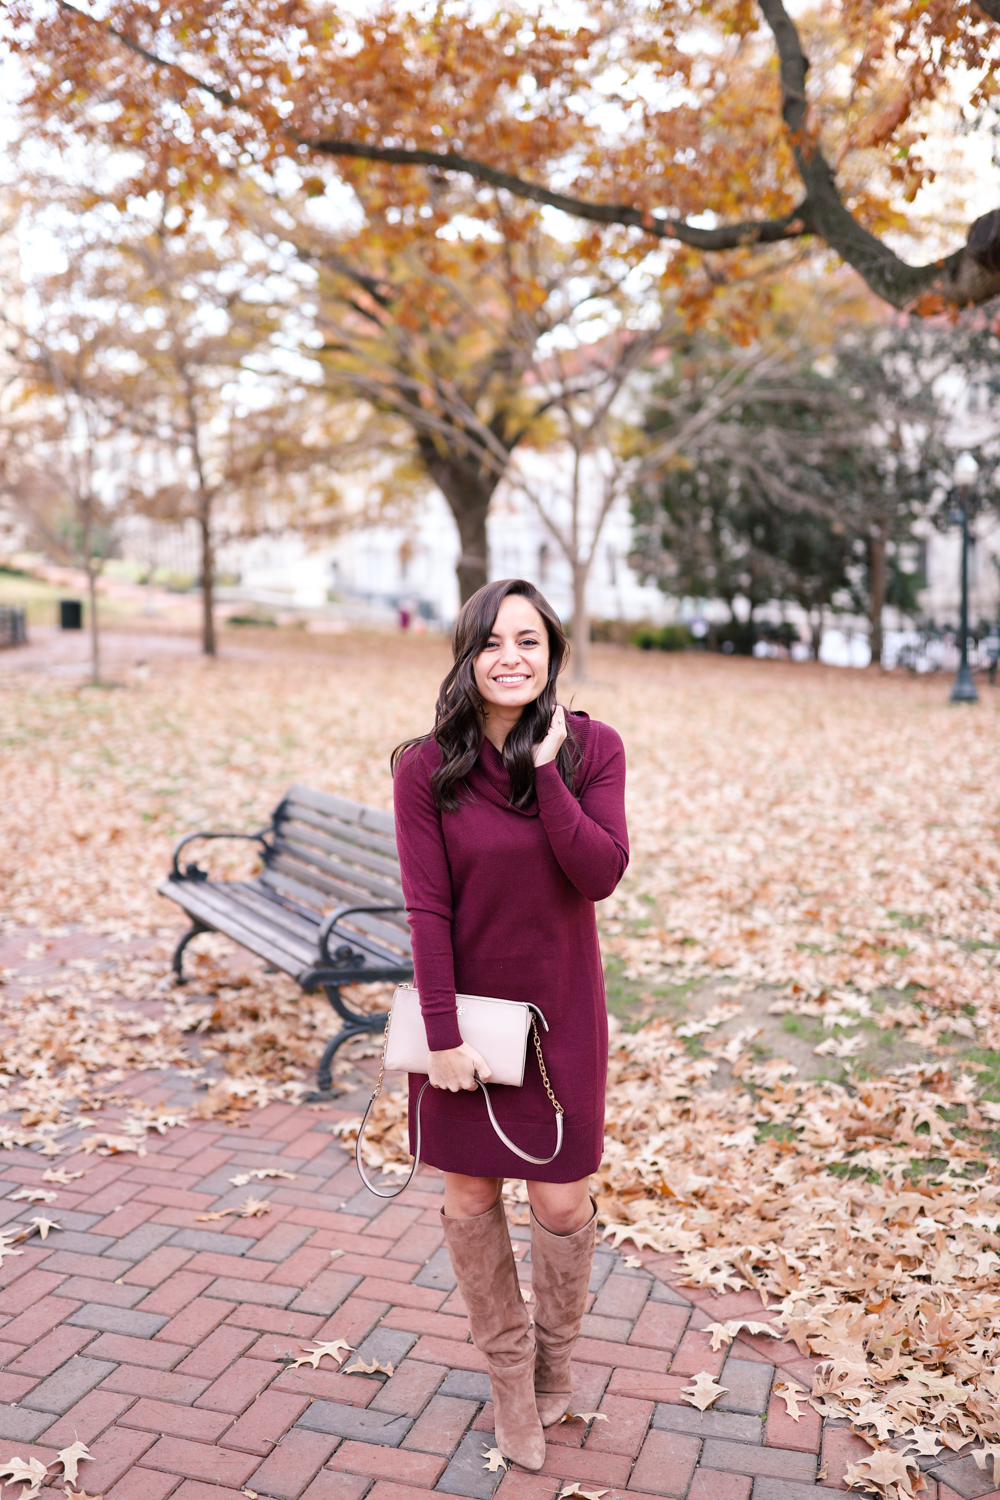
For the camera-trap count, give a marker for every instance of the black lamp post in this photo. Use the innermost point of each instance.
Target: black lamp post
(966, 471)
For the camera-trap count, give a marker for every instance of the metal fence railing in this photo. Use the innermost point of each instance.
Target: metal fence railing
(13, 626)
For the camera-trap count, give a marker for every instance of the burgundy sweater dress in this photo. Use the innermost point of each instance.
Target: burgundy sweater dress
(501, 902)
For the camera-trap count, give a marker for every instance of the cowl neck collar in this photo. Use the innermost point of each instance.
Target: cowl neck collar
(489, 777)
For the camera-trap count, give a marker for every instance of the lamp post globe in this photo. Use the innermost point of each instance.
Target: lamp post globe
(965, 474)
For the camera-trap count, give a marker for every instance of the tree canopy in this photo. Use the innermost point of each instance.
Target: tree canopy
(645, 120)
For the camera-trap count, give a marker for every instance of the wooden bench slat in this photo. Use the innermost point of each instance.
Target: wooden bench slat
(264, 901)
(217, 900)
(374, 927)
(317, 889)
(350, 875)
(314, 836)
(270, 904)
(314, 886)
(221, 918)
(351, 833)
(340, 807)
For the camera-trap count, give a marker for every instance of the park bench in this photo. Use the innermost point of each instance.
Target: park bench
(326, 906)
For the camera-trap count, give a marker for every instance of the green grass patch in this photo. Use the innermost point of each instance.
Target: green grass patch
(634, 1002)
(988, 1067)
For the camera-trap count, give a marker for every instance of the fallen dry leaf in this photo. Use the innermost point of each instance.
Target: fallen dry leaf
(112, 1145)
(360, 1368)
(704, 1391)
(883, 1470)
(42, 1226)
(791, 1394)
(242, 1178)
(60, 1175)
(575, 1488)
(585, 1416)
(29, 1472)
(724, 1333)
(988, 1458)
(332, 1348)
(71, 1458)
(32, 1195)
(494, 1459)
(252, 1208)
(925, 1442)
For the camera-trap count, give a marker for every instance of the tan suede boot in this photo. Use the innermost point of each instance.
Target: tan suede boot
(487, 1278)
(560, 1276)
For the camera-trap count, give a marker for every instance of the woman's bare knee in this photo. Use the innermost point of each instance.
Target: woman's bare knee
(560, 1207)
(465, 1197)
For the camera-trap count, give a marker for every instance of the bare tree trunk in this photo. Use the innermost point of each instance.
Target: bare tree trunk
(87, 539)
(580, 653)
(204, 520)
(468, 489)
(207, 576)
(95, 639)
(816, 631)
(877, 575)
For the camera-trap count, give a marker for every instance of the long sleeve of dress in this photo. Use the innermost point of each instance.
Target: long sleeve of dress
(427, 890)
(588, 838)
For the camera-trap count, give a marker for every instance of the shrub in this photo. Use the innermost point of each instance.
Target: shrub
(251, 620)
(665, 638)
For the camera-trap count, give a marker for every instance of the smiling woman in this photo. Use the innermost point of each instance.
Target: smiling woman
(510, 824)
(509, 648)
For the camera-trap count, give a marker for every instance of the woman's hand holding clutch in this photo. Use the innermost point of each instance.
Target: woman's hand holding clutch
(454, 1068)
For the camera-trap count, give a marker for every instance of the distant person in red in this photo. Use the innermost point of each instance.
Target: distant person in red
(510, 823)
(404, 617)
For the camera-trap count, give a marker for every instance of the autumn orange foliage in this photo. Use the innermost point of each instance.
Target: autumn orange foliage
(646, 117)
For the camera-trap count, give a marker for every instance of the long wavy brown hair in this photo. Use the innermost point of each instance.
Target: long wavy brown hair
(458, 714)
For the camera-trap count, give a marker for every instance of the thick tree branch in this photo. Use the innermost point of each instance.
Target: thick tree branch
(969, 275)
(726, 237)
(222, 95)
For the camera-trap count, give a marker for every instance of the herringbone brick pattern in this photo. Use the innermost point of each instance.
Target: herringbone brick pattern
(164, 1341)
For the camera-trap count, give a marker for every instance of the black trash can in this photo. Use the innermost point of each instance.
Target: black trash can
(70, 614)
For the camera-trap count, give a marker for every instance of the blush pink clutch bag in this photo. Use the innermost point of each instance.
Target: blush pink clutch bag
(497, 1029)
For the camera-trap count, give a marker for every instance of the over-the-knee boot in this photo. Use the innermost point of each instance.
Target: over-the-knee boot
(487, 1278)
(560, 1276)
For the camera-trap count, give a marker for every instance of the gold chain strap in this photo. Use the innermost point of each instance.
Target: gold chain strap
(381, 1064)
(541, 1066)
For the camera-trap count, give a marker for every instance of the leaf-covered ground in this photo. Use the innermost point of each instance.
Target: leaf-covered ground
(817, 846)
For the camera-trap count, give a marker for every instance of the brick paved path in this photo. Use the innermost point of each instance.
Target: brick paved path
(164, 1342)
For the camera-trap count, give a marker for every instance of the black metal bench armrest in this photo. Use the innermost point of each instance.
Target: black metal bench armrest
(337, 915)
(192, 872)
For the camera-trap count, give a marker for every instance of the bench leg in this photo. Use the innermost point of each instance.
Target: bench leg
(178, 964)
(354, 1025)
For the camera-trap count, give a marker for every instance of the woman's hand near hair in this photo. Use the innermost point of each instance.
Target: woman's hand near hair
(453, 1069)
(548, 748)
